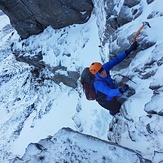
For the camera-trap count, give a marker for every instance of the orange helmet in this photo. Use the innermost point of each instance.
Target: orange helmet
(95, 67)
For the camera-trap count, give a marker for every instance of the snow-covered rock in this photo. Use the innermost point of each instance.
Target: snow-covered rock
(31, 18)
(34, 107)
(71, 146)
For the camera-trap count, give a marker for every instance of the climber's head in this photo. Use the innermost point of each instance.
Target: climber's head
(96, 67)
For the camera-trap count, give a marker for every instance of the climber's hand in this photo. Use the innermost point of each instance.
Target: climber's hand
(124, 88)
(131, 48)
(134, 46)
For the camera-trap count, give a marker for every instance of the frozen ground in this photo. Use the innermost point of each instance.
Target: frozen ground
(33, 110)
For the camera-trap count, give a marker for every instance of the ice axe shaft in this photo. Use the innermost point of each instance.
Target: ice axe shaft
(137, 33)
(123, 78)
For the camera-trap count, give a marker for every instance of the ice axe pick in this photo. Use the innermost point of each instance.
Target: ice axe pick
(137, 33)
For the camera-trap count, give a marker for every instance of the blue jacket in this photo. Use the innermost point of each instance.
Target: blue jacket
(107, 87)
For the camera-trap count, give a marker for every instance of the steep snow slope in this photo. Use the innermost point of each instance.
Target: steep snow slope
(33, 108)
(141, 130)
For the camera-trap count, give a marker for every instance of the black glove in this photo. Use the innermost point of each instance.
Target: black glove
(131, 48)
(124, 88)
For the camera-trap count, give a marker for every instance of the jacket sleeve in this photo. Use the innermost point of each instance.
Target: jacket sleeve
(103, 87)
(115, 61)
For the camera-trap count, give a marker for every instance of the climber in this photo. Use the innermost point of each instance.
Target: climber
(106, 93)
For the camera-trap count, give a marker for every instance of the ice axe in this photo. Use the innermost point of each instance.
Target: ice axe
(137, 33)
(123, 80)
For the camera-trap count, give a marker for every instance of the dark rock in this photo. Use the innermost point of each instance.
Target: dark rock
(160, 62)
(30, 17)
(136, 12)
(130, 3)
(114, 20)
(147, 75)
(154, 87)
(155, 14)
(150, 1)
(145, 43)
(34, 61)
(124, 43)
(110, 8)
(127, 14)
(112, 25)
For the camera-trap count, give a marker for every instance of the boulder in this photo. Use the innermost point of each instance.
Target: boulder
(30, 17)
(150, 1)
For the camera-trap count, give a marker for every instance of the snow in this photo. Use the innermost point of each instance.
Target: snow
(70, 146)
(68, 40)
(31, 111)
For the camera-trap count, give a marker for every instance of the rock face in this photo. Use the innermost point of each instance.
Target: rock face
(119, 14)
(30, 17)
(70, 146)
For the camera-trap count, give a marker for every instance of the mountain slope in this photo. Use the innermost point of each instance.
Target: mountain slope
(70, 146)
(34, 107)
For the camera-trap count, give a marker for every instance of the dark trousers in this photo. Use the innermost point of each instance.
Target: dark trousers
(113, 105)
